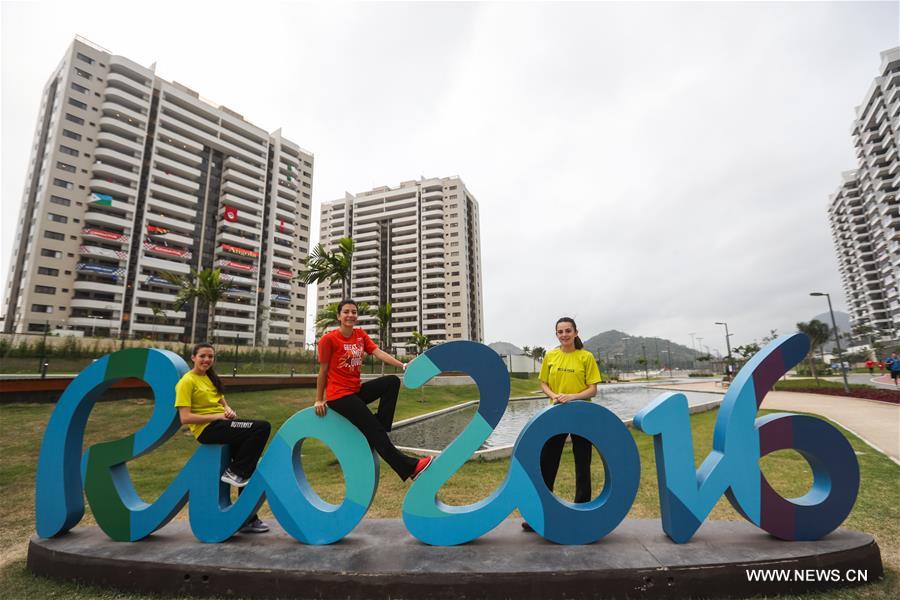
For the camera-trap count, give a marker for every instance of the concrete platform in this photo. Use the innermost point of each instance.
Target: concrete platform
(381, 560)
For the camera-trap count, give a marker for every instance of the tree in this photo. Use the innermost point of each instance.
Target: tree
(383, 314)
(538, 353)
(818, 333)
(420, 341)
(157, 313)
(207, 286)
(333, 267)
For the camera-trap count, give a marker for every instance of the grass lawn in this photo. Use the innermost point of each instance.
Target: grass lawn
(876, 510)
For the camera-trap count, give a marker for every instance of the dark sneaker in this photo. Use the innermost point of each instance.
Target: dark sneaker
(232, 478)
(421, 466)
(526, 526)
(255, 526)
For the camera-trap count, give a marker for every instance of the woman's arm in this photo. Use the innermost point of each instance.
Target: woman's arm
(550, 393)
(589, 392)
(189, 418)
(388, 359)
(321, 382)
(229, 412)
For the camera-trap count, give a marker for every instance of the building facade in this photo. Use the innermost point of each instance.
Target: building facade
(865, 210)
(418, 248)
(133, 177)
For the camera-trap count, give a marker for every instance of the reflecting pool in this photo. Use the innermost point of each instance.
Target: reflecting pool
(437, 432)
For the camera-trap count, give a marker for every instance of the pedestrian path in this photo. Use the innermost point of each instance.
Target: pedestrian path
(876, 423)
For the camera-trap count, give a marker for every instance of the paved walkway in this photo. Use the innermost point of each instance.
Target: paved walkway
(877, 423)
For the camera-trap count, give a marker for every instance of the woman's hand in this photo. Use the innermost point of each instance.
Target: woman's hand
(229, 413)
(321, 407)
(562, 398)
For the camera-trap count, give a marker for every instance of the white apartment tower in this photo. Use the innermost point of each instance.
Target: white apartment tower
(865, 210)
(132, 177)
(418, 247)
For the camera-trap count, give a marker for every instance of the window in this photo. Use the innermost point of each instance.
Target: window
(79, 88)
(57, 218)
(71, 134)
(84, 58)
(44, 289)
(60, 200)
(41, 308)
(65, 167)
(74, 119)
(69, 151)
(50, 253)
(53, 235)
(62, 183)
(82, 73)
(48, 271)
(77, 103)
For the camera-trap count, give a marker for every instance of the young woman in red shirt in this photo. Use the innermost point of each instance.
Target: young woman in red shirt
(338, 387)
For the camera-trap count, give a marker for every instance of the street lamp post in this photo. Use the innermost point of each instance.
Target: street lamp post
(727, 342)
(837, 338)
(625, 339)
(644, 358)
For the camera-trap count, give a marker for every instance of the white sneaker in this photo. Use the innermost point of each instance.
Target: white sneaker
(231, 478)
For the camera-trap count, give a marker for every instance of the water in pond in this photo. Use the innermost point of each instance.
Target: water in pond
(436, 433)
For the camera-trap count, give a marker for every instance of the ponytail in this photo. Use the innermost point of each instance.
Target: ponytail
(578, 344)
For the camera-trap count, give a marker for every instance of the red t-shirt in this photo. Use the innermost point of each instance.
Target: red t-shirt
(344, 357)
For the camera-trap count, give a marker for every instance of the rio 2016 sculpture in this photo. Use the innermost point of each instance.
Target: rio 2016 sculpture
(686, 496)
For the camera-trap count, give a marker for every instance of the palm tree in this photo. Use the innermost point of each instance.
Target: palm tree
(420, 341)
(333, 267)
(818, 333)
(383, 314)
(207, 286)
(157, 313)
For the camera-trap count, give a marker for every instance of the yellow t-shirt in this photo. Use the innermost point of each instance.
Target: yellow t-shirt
(569, 372)
(199, 394)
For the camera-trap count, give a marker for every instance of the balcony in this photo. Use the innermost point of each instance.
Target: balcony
(250, 321)
(96, 286)
(170, 223)
(161, 175)
(121, 158)
(156, 327)
(248, 194)
(114, 109)
(139, 90)
(172, 210)
(103, 169)
(168, 145)
(154, 296)
(159, 264)
(102, 235)
(125, 99)
(282, 262)
(227, 334)
(108, 139)
(100, 218)
(167, 252)
(95, 251)
(250, 169)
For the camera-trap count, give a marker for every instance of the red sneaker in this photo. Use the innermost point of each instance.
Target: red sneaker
(421, 466)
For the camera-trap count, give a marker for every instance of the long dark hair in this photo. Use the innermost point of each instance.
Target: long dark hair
(578, 344)
(210, 372)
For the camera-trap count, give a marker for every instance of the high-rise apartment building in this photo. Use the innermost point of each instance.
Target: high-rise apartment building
(133, 177)
(865, 210)
(418, 247)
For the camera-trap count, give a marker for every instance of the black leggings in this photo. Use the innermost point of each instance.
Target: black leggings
(245, 438)
(583, 451)
(375, 427)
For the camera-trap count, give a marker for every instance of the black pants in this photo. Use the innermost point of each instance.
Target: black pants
(246, 440)
(583, 451)
(375, 427)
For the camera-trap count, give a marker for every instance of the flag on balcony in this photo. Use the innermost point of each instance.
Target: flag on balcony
(98, 199)
(231, 214)
(281, 225)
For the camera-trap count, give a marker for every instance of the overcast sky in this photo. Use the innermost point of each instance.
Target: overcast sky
(651, 168)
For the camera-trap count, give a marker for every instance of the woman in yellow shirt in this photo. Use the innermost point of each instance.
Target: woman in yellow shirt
(568, 373)
(200, 400)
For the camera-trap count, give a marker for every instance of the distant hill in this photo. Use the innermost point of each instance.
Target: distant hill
(609, 344)
(505, 349)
